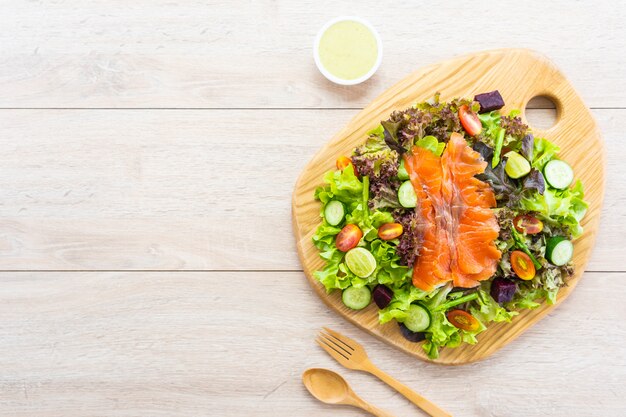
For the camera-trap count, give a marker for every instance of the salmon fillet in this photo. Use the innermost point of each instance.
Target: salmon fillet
(459, 226)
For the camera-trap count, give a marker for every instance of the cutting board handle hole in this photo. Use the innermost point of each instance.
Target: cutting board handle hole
(542, 112)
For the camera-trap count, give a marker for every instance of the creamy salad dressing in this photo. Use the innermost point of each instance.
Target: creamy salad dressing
(348, 50)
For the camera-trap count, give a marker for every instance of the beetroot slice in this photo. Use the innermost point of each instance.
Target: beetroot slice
(411, 336)
(382, 295)
(503, 290)
(489, 101)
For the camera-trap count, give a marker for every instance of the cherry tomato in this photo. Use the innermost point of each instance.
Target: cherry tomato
(470, 121)
(390, 231)
(525, 223)
(463, 320)
(522, 265)
(348, 238)
(343, 162)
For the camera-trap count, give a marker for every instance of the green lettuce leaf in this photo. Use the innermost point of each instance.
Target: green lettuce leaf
(342, 185)
(487, 309)
(543, 151)
(432, 144)
(403, 296)
(560, 207)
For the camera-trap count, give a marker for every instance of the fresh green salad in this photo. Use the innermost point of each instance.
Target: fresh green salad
(449, 216)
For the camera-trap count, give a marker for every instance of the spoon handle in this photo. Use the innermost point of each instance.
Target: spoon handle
(430, 408)
(374, 410)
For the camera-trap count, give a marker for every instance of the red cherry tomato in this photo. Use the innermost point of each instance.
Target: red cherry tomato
(348, 238)
(470, 121)
(343, 162)
(390, 231)
(522, 265)
(525, 223)
(463, 320)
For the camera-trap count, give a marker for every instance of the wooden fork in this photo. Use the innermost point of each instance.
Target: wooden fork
(352, 355)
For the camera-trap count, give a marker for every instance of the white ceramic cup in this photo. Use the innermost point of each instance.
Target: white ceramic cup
(333, 78)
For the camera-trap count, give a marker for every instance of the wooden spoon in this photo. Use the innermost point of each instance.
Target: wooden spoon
(330, 388)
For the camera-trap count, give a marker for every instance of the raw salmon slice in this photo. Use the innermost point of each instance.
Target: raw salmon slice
(460, 227)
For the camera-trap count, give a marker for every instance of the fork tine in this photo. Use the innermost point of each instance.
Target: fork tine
(336, 345)
(349, 343)
(339, 357)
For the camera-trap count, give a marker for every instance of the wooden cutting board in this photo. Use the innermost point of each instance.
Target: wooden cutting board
(519, 75)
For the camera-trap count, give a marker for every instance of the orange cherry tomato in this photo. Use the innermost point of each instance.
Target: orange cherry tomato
(470, 121)
(348, 238)
(343, 162)
(522, 265)
(463, 320)
(390, 231)
(525, 223)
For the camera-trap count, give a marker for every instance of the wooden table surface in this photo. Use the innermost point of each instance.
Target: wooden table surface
(149, 152)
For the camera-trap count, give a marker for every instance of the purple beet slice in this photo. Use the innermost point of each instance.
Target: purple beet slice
(489, 101)
(503, 290)
(382, 295)
(411, 336)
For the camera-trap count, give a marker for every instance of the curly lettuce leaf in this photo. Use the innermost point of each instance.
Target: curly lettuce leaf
(441, 332)
(384, 194)
(505, 189)
(375, 159)
(528, 144)
(534, 181)
(486, 309)
(347, 188)
(560, 207)
(342, 185)
(388, 269)
(543, 152)
(403, 296)
(491, 127)
(394, 137)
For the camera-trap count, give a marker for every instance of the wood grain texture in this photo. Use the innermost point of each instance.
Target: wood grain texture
(234, 344)
(114, 189)
(519, 75)
(221, 53)
(137, 189)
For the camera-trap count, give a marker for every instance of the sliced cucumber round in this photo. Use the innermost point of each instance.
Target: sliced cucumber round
(558, 174)
(559, 250)
(406, 195)
(356, 298)
(334, 212)
(402, 172)
(417, 319)
(516, 165)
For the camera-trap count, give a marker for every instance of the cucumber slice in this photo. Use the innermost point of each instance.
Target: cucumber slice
(559, 250)
(417, 319)
(356, 298)
(402, 172)
(334, 212)
(558, 174)
(406, 195)
(516, 165)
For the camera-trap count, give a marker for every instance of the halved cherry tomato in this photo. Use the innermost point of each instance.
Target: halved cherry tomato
(343, 162)
(525, 223)
(463, 320)
(348, 238)
(522, 265)
(470, 121)
(390, 231)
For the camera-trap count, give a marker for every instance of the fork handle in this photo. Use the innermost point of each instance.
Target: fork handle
(411, 395)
